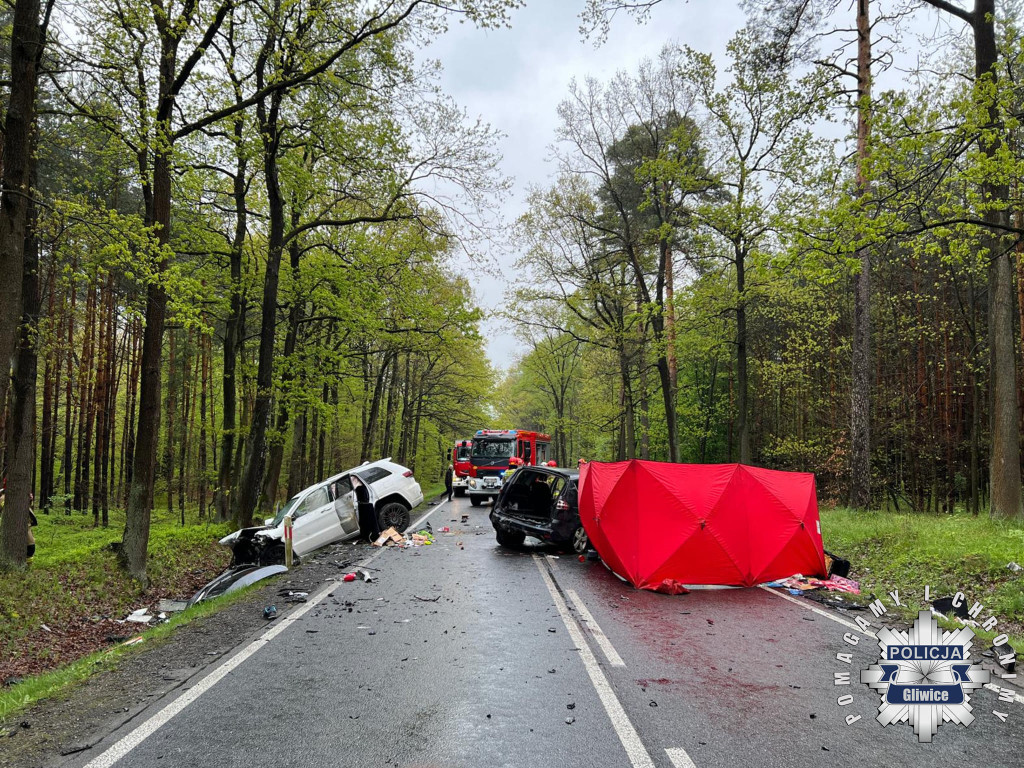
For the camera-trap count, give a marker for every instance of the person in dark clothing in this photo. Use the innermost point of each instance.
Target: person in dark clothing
(32, 522)
(448, 481)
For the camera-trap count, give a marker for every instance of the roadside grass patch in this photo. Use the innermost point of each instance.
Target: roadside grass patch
(949, 553)
(66, 604)
(59, 681)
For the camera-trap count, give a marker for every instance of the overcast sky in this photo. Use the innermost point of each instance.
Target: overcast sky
(514, 79)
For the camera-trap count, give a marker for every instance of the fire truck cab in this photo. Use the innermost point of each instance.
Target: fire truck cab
(459, 458)
(490, 454)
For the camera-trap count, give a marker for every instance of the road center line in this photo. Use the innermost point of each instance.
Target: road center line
(679, 758)
(638, 755)
(602, 639)
(803, 604)
(142, 732)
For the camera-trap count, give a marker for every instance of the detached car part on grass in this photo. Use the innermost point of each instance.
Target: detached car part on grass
(540, 502)
(235, 578)
(330, 511)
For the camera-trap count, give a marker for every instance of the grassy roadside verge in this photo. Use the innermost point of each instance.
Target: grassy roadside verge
(59, 618)
(55, 682)
(890, 551)
(75, 588)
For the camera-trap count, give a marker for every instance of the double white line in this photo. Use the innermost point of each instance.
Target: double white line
(638, 755)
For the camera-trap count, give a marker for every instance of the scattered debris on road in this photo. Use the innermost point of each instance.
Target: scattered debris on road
(392, 537)
(798, 584)
(836, 566)
(270, 612)
(1006, 657)
(388, 536)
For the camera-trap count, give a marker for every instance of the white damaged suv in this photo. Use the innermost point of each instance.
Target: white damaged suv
(329, 512)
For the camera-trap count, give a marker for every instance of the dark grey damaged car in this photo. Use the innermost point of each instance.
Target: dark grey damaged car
(540, 502)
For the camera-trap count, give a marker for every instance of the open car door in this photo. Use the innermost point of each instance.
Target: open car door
(345, 506)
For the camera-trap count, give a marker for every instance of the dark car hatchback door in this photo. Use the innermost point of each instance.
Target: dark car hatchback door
(539, 503)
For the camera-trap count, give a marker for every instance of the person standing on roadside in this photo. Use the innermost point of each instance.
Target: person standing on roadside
(32, 522)
(448, 481)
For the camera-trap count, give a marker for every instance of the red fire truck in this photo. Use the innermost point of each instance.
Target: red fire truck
(461, 466)
(492, 448)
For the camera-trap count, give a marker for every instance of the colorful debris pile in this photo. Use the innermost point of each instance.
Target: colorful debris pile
(392, 537)
(798, 584)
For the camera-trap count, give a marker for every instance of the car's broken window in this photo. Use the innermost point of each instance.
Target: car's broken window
(342, 486)
(313, 501)
(284, 511)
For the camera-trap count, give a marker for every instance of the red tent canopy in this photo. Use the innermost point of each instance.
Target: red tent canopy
(701, 523)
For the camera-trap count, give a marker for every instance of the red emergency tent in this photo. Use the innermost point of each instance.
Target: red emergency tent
(701, 523)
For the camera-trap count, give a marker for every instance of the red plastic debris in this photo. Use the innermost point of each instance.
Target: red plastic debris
(349, 577)
(671, 587)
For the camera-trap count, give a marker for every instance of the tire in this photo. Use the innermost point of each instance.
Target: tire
(395, 515)
(580, 542)
(460, 492)
(510, 539)
(476, 501)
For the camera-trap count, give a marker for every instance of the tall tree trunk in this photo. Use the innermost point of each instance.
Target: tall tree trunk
(86, 411)
(233, 332)
(20, 437)
(170, 405)
(1004, 458)
(276, 459)
(628, 446)
(135, 540)
(370, 429)
(1004, 462)
(256, 450)
(128, 441)
(742, 378)
(295, 464)
(100, 407)
(670, 316)
(51, 384)
(69, 389)
(205, 352)
(860, 401)
(187, 418)
(16, 177)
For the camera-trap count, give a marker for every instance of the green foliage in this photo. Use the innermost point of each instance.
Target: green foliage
(949, 553)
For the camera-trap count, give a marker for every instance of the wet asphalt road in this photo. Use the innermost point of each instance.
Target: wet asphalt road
(462, 654)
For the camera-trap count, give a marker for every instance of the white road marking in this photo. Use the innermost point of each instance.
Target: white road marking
(139, 734)
(602, 640)
(638, 755)
(804, 604)
(679, 758)
(807, 606)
